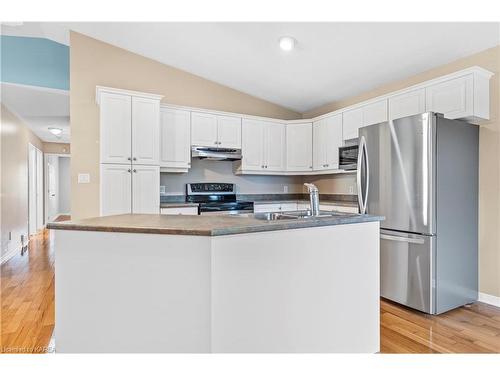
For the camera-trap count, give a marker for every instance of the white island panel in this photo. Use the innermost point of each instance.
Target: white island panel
(132, 292)
(304, 290)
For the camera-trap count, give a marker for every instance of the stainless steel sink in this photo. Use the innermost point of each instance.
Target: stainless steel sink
(296, 215)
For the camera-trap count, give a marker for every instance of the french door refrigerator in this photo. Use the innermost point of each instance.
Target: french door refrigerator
(421, 174)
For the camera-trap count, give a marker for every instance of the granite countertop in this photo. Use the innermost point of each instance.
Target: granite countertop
(200, 225)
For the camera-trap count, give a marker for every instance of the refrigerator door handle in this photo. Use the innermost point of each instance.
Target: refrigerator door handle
(418, 241)
(363, 157)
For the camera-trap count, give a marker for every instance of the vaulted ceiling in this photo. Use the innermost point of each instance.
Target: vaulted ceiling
(332, 61)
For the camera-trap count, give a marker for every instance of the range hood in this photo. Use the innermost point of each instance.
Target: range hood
(215, 153)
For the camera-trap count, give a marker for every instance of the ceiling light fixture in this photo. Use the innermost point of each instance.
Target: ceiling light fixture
(56, 131)
(287, 43)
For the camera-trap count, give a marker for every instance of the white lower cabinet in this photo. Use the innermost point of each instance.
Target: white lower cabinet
(129, 189)
(339, 208)
(299, 147)
(116, 189)
(275, 207)
(191, 210)
(145, 189)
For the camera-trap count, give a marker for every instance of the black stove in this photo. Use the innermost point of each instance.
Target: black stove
(216, 199)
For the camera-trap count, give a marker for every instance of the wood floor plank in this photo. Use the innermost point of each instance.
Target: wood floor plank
(27, 314)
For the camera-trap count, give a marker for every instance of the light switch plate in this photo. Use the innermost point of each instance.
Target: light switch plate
(83, 178)
(162, 189)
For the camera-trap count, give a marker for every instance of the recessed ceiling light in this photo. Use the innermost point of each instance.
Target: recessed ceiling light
(287, 43)
(56, 131)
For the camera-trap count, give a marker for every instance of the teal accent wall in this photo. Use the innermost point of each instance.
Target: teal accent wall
(34, 61)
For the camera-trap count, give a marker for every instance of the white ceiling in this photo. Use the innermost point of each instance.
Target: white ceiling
(332, 61)
(40, 109)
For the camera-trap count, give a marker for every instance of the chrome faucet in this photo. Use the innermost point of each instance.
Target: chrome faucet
(313, 198)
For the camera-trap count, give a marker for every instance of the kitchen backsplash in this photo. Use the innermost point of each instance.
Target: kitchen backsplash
(222, 171)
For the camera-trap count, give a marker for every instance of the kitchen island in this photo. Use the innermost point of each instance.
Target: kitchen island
(201, 284)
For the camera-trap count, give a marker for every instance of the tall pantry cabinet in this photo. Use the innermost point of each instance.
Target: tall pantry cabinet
(129, 151)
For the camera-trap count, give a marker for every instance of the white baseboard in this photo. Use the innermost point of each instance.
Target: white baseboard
(489, 299)
(10, 254)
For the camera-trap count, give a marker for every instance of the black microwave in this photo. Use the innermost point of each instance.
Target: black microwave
(348, 157)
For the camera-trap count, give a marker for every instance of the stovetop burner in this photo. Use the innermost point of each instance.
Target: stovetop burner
(216, 197)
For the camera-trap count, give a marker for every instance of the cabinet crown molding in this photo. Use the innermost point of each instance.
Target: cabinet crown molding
(101, 89)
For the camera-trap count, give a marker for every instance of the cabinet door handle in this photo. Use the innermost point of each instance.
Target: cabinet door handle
(134, 159)
(215, 143)
(129, 171)
(129, 158)
(135, 170)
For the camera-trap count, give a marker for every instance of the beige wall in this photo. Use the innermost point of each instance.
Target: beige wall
(56, 148)
(15, 137)
(489, 160)
(96, 63)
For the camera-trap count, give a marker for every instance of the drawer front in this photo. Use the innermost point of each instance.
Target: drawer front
(179, 211)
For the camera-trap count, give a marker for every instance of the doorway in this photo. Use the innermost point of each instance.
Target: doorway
(35, 189)
(57, 186)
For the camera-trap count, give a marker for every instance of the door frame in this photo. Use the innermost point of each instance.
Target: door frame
(37, 196)
(46, 182)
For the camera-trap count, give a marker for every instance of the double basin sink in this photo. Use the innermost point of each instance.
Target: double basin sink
(297, 215)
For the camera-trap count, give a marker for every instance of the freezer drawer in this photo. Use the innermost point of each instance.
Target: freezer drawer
(407, 272)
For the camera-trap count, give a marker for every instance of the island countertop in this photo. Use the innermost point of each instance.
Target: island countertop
(200, 225)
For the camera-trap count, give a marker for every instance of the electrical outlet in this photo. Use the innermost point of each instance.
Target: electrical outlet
(285, 188)
(351, 189)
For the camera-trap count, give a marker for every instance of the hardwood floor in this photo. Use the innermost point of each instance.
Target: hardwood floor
(474, 329)
(27, 297)
(27, 314)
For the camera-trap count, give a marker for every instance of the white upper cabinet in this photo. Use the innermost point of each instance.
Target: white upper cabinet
(407, 104)
(365, 115)
(215, 131)
(229, 132)
(252, 147)
(203, 129)
(116, 189)
(351, 122)
(375, 113)
(145, 131)
(129, 126)
(299, 147)
(327, 138)
(263, 146)
(274, 146)
(175, 139)
(145, 189)
(115, 128)
(453, 98)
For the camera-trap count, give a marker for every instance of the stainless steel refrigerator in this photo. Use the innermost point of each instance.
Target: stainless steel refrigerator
(421, 173)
